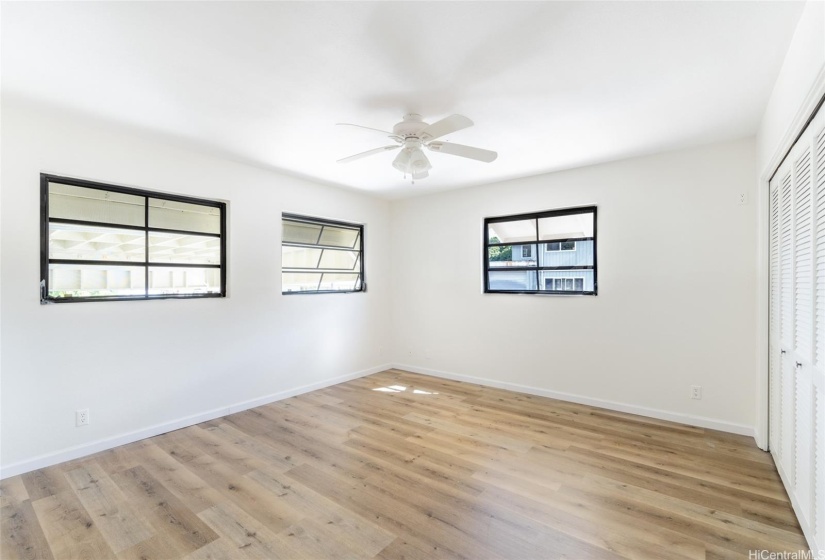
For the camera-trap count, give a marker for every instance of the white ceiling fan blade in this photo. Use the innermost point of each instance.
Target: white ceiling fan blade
(445, 126)
(368, 153)
(366, 127)
(463, 151)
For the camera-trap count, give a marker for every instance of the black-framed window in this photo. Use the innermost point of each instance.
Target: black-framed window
(567, 265)
(321, 256)
(102, 242)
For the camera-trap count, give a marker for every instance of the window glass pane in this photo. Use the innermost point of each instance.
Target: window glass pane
(169, 214)
(78, 280)
(299, 232)
(338, 282)
(70, 241)
(95, 205)
(184, 281)
(345, 260)
(552, 246)
(581, 255)
(341, 268)
(184, 249)
(101, 235)
(512, 232)
(338, 237)
(511, 255)
(512, 280)
(579, 284)
(299, 257)
(300, 281)
(570, 226)
(567, 246)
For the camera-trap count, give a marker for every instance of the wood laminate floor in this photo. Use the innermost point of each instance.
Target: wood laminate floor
(400, 465)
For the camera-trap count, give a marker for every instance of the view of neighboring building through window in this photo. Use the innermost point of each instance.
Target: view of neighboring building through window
(564, 263)
(104, 242)
(321, 256)
(563, 246)
(564, 284)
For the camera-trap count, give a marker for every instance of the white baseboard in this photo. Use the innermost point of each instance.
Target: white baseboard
(680, 418)
(85, 449)
(807, 530)
(761, 440)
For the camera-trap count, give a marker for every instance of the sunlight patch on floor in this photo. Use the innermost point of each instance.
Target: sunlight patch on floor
(401, 389)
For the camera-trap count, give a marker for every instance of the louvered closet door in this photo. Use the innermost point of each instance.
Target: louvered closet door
(817, 393)
(787, 365)
(797, 327)
(800, 386)
(775, 314)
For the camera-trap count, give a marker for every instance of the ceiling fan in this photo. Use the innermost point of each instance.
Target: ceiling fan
(412, 134)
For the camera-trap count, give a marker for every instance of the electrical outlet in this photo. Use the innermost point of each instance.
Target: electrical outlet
(742, 199)
(696, 391)
(82, 417)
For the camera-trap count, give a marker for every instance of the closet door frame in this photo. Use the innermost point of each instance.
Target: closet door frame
(807, 109)
(798, 454)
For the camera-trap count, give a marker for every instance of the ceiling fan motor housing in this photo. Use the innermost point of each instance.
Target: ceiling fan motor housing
(410, 126)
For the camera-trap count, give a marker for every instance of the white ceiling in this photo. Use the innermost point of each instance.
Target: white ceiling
(550, 85)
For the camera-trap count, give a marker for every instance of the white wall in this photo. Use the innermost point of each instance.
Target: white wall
(677, 281)
(141, 364)
(803, 65)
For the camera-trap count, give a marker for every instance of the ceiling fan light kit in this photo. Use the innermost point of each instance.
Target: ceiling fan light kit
(412, 134)
(412, 161)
